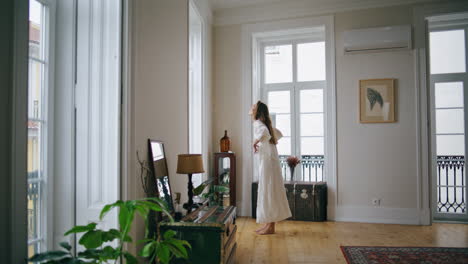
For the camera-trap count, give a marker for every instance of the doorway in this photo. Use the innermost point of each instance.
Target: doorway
(448, 79)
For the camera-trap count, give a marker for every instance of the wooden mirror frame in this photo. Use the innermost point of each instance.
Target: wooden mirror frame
(156, 177)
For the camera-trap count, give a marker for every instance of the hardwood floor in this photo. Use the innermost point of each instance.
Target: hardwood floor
(319, 242)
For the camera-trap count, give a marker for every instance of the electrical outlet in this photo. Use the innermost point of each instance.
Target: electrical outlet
(376, 201)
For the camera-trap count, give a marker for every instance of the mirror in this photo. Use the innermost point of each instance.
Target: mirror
(160, 172)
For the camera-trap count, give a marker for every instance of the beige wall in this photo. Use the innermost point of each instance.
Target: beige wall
(160, 87)
(373, 160)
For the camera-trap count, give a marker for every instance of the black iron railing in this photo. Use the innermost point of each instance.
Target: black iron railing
(451, 184)
(310, 169)
(33, 204)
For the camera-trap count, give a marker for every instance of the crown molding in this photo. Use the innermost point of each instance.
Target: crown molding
(299, 8)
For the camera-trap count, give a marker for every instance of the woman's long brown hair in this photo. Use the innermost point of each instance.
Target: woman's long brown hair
(263, 115)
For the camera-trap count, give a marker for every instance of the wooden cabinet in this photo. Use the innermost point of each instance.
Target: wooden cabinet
(307, 200)
(211, 231)
(225, 173)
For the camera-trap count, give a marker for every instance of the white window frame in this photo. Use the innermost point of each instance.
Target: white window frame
(197, 137)
(294, 87)
(252, 34)
(46, 220)
(461, 77)
(424, 162)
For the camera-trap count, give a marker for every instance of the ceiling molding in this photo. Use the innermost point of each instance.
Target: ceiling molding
(299, 8)
(221, 4)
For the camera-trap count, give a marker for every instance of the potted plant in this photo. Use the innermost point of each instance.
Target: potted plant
(214, 191)
(97, 243)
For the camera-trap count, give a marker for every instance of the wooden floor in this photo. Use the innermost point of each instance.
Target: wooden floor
(319, 242)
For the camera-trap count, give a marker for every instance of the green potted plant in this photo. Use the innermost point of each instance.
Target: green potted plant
(97, 243)
(214, 193)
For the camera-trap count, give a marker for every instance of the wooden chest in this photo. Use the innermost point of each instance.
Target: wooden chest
(211, 231)
(307, 200)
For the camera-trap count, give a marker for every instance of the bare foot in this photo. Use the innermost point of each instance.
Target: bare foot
(267, 231)
(262, 228)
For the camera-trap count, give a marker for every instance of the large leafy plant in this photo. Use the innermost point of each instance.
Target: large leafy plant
(98, 243)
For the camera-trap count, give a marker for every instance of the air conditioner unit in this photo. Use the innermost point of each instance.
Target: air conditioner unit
(377, 39)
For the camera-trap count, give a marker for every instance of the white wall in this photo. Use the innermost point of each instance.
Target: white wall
(373, 160)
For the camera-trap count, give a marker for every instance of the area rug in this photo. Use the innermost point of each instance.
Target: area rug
(405, 255)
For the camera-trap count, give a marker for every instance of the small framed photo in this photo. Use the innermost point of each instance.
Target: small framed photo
(377, 101)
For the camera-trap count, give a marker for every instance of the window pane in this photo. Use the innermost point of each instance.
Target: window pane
(278, 64)
(312, 146)
(312, 125)
(33, 249)
(312, 100)
(311, 61)
(33, 209)
(284, 146)
(282, 122)
(35, 29)
(447, 51)
(34, 149)
(450, 145)
(449, 121)
(449, 94)
(279, 102)
(35, 89)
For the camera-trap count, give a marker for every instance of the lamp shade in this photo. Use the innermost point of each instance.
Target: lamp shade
(189, 163)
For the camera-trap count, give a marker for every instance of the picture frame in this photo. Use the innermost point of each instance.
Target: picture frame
(377, 102)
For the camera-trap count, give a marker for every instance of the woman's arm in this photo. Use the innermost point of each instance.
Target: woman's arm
(255, 145)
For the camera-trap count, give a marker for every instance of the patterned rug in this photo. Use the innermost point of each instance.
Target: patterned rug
(405, 255)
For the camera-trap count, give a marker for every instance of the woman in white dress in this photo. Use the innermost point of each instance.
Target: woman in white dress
(272, 204)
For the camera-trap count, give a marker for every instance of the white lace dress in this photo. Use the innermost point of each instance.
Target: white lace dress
(272, 204)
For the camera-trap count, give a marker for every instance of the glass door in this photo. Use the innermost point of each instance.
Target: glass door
(449, 96)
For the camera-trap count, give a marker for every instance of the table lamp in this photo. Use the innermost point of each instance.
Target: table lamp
(189, 164)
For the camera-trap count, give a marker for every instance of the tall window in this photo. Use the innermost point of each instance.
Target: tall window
(196, 140)
(293, 84)
(448, 57)
(38, 124)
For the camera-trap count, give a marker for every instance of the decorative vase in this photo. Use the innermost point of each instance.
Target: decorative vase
(291, 169)
(225, 143)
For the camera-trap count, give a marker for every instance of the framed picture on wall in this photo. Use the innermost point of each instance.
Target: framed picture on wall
(377, 101)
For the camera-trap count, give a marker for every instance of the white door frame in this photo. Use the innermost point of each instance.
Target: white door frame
(424, 169)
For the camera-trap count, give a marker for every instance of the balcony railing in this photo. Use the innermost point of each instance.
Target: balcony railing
(311, 168)
(451, 186)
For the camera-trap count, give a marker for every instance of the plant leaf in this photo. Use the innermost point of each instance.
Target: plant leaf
(163, 253)
(130, 258)
(179, 252)
(169, 234)
(81, 229)
(49, 255)
(110, 235)
(148, 249)
(91, 239)
(374, 97)
(65, 245)
(200, 188)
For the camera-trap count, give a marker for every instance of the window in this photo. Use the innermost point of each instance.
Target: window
(196, 124)
(39, 90)
(448, 80)
(293, 85)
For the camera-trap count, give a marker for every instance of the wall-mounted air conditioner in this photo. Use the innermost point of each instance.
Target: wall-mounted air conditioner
(377, 39)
